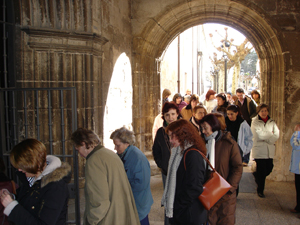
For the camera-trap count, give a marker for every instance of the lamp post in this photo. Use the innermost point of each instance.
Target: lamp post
(215, 73)
(199, 73)
(227, 44)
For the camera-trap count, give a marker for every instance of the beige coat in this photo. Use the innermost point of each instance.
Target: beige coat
(109, 199)
(186, 113)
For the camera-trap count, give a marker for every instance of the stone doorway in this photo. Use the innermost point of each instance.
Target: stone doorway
(118, 108)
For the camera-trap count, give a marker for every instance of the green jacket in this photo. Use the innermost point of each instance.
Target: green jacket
(109, 199)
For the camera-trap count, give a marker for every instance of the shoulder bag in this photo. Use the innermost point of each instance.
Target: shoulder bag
(214, 188)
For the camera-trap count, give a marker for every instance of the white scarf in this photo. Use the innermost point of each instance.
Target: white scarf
(210, 146)
(169, 193)
(53, 163)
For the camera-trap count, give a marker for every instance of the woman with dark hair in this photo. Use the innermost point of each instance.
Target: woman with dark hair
(161, 146)
(45, 201)
(186, 175)
(256, 96)
(221, 120)
(177, 99)
(158, 121)
(210, 100)
(224, 155)
(265, 134)
(222, 104)
(239, 129)
(187, 112)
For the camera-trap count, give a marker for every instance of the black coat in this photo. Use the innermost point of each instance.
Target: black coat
(45, 202)
(161, 150)
(188, 209)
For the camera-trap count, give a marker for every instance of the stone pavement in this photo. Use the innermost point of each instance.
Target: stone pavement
(251, 210)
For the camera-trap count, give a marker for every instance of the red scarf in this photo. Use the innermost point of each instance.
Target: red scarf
(266, 119)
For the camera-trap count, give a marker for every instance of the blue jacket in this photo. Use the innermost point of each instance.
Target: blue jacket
(138, 171)
(295, 160)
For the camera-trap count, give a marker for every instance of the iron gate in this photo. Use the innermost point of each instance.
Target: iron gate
(47, 114)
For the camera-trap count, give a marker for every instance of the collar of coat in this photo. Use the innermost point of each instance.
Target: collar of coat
(57, 174)
(94, 150)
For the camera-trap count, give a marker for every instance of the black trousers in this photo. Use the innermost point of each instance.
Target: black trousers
(263, 168)
(297, 185)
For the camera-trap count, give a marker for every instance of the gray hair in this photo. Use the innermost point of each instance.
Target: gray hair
(124, 135)
(187, 97)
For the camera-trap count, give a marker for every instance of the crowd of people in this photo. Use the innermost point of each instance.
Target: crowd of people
(227, 129)
(117, 185)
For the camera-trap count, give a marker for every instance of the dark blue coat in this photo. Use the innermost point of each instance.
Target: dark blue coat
(45, 202)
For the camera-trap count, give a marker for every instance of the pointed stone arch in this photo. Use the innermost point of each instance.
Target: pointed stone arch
(153, 34)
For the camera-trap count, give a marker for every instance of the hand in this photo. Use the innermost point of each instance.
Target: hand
(5, 197)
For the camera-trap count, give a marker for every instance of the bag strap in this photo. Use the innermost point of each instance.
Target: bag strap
(204, 157)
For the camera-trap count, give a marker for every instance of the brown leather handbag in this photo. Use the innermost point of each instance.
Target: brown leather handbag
(214, 188)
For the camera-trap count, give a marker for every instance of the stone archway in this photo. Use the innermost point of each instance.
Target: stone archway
(154, 33)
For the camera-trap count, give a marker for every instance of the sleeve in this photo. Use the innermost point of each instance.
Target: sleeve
(253, 109)
(97, 189)
(275, 134)
(236, 167)
(193, 187)
(53, 202)
(158, 121)
(156, 150)
(295, 140)
(261, 132)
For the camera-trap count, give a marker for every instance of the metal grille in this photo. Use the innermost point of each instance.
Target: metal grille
(47, 114)
(7, 27)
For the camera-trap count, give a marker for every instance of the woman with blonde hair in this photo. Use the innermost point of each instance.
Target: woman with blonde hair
(186, 175)
(44, 201)
(165, 96)
(138, 171)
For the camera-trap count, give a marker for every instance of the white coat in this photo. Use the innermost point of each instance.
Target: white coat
(264, 137)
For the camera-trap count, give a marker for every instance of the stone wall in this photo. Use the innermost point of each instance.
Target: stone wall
(73, 43)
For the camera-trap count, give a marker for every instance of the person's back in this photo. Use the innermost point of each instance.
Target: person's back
(113, 190)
